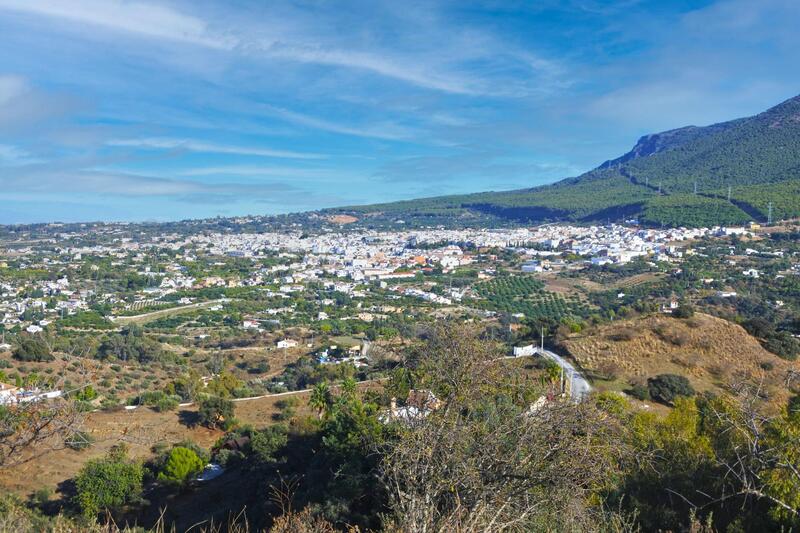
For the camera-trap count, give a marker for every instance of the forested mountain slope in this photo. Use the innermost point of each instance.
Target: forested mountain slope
(725, 173)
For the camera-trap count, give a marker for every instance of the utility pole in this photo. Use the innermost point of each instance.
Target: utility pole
(769, 214)
(659, 187)
(647, 181)
(542, 338)
(729, 193)
(695, 187)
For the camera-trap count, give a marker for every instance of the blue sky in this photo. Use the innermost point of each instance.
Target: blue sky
(164, 110)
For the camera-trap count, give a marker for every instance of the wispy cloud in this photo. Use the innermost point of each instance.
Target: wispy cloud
(14, 156)
(163, 143)
(146, 19)
(382, 65)
(452, 72)
(260, 171)
(384, 130)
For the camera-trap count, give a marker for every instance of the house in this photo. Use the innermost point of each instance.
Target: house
(522, 351)
(670, 307)
(286, 343)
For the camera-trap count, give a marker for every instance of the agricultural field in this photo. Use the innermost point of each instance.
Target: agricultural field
(527, 295)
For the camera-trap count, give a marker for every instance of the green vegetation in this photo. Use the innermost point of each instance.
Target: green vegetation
(665, 388)
(108, 483)
(181, 466)
(214, 412)
(526, 294)
(31, 348)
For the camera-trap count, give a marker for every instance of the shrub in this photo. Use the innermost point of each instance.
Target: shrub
(783, 345)
(32, 349)
(214, 411)
(168, 403)
(624, 334)
(108, 483)
(265, 443)
(666, 387)
(226, 458)
(683, 311)
(640, 392)
(608, 370)
(261, 368)
(182, 464)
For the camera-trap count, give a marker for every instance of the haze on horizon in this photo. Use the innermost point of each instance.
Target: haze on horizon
(163, 110)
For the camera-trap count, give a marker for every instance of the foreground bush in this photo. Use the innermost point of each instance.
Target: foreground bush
(108, 483)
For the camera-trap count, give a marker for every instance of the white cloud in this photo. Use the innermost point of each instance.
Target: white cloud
(259, 171)
(164, 143)
(146, 19)
(439, 65)
(385, 130)
(13, 156)
(379, 64)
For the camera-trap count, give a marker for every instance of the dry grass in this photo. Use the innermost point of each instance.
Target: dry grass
(140, 429)
(708, 350)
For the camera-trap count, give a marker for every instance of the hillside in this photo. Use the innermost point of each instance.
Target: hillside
(756, 159)
(710, 351)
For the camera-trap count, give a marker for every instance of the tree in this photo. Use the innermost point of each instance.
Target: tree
(182, 464)
(26, 426)
(666, 387)
(683, 311)
(483, 461)
(320, 398)
(108, 483)
(30, 348)
(265, 443)
(215, 411)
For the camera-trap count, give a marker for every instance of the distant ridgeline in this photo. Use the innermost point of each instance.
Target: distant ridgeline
(727, 173)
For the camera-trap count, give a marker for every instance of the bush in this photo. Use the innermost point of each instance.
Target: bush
(640, 392)
(108, 483)
(683, 311)
(168, 403)
(260, 368)
(214, 411)
(265, 443)
(226, 458)
(32, 349)
(666, 387)
(624, 334)
(182, 464)
(783, 345)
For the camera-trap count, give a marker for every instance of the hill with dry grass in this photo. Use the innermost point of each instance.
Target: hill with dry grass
(711, 352)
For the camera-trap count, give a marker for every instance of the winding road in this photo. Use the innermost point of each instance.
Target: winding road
(579, 388)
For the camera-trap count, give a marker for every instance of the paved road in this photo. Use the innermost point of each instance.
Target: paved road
(578, 386)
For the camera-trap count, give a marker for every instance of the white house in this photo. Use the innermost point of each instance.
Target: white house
(286, 343)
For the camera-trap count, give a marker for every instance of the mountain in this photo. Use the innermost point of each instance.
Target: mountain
(726, 173)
